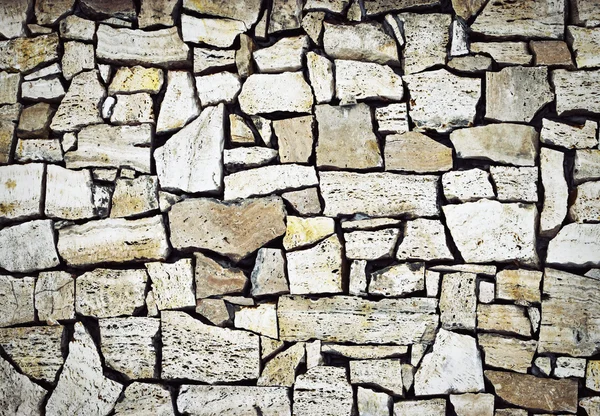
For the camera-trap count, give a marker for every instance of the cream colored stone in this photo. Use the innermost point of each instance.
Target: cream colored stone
(21, 196)
(269, 93)
(134, 196)
(320, 73)
(172, 284)
(323, 390)
(431, 407)
(143, 399)
(521, 286)
(424, 239)
(514, 184)
(19, 395)
(281, 369)
(473, 404)
(55, 296)
(509, 319)
(415, 152)
(585, 207)
(261, 319)
(27, 54)
(585, 43)
(458, 301)
(467, 185)
(358, 81)
(284, 55)
(317, 269)
(366, 42)
(371, 245)
(504, 53)
(556, 191)
(507, 353)
(398, 280)
(576, 91)
(28, 247)
(295, 139)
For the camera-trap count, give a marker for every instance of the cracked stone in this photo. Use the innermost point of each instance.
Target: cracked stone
(69, 194)
(371, 245)
(507, 353)
(366, 42)
(19, 395)
(55, 296)
(415, 152)
(27, 54)
(398, 280)
(246, 12)
(209, 60)
(514, 184)
(458, 301)
(215, 32)
(317, 269)
(281, 369)
(358, 81)
(17, 296)
(269, 93)
(214, 279)
(320, 73)
(585, 43)
(156, 13)
(43, 89)
(467, 185)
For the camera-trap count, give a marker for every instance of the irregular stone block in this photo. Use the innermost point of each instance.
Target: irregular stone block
(420, 407)
(415, 152)
(284, 55)
(9, 87)
(69, 194)
(504, 53)
(424, 239)
(269, 93)
(458, 301)
(398, 280)
(268, 276)
(261, 319)
(375, 7)
(246, 12)
(210, 60)
(172, 284)
(320, 73)
(180, 104)
(43, 89)
(504, 319)
(576, 91)
(13, 17)
(521, 286)
(514, 184)
(55, 296)
(585, 43)
(392, 118)
(366, 42)
(141, 399)
(222, 87)
(19, 395)
(28, 246)
(154, 13)
(585, 207)
(295, 139)
(371, 245)
(16, 295)
(551, 53)
(358, 81)
(575, 245)
(467, 185)
(21, 196)
(382, 373)
(507, 353)
(323, 390)
(28, 54)
(134, 196)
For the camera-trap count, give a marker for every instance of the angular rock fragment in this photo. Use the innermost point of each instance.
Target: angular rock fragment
(356, 320)
(503, 143)
(268, 275)
(239, 131)
(285, 15)
(81, 105)
(365, 42)
(392, 118)
(179, 104)
(261, 319)
(320, 73)
(77, 57)
(415, 152)
(222, 87)
(69, 194)
(535, 393)
(504, 53)
(134, 196)
(132, 109)
(521, 286)
(569, 137)
(398, 280)
(55, 296)
(114, 241)
(257, 221)
(192, 159)
(488, 231)
(467, 185)
(76, 28)
(424, 239)
(427, 37)
(432, 283)
(371, 245)
(17, 297)
(575, 245)
(13, 17)
(323, 390)
(454, 366)
(507, 353)
(127, 345)
(281, 369)
(136, 79)
(264, 127)
(570, 367)
(551, 53)
(349, 128)
(576, 91)
(216, 32)
(215, 310)
(305, 201)
(283, 56)
(21, 196)
(471, 63)
(234, 400)
(459, 45)
(269, 93)
(451, 105)
(206, 60)
(303, 232)
(172, 284)
(266, 180)
(473, 404)
(27, 54)
(243, 56)
(19, 395)
(592, 375)
(585, 13)
(357, 284)
(248, 157)
(9, 87)
(375, 7)
(28, 246)
(195, 351)
(43, 89)
(516, 93)
(156, 13)
(587, 165)
(515, 184)
(142, 399)
(7, 138)
(585, 43)
(370, 402)
(503, 319)
(379, 194)
(585, 207)
(317, 269)
(35, 121)
(467, 8)
(295, 139)
(358, 81)
(38, 150)
(458, 301)
(420, 407)
(591, 405)
(556, 191)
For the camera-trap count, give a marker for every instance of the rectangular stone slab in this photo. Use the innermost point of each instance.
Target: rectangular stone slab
(360, 321)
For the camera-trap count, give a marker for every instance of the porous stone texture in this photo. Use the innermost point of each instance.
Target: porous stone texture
(20, 396)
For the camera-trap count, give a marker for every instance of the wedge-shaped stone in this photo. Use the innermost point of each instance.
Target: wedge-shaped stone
(358, 81)
(575, 297)
(21, 191)
(216, 32)
(28, 246)
(127, 345)
(535, 19)
(195, 351)
(385, 374)
(355, 320)
(317, 269)
(323, 390)
(454, 366)
(161, 47)
(284, 55)
(442, 101)
(269, 93)
(576, 91)
(16, 296)
(305, 201)
(510, 319)
(515, 184)
(432, 407)
(82, 386)
(535, 393)
(222, 87)
(209, 60)
(268, 275)
(467, 185)
(415, 152)
(379, 194)
(366, 42)
(258, 221)
(473, 404)
(281, 369)
(516, 93)
(424, 239)
(458, 301)
(233, 400)
(112, 146)
(504, 53)
(27, 54)
(192, 159)
(371, 245)
(320, 73)
(267, 180)
(69, 194)
(261, 319)
(246, 12)
(576, 245)
(7, 139)
(114, 241)
(585, 43)
(141, 399)
(172, 284)
(585, 208)
(471, 63)
(302, 232)
(375, 7)
(350, 130)
(587, 165)
(488, 231)
(398, 280)
(19, 395)
(507, 353)
(179, 104)
(569, 137)
(503, 143)
(136, 79)
(427, 37)
(521, 286)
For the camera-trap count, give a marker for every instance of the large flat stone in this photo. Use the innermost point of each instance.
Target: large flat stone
(358, 81)
(69, 194)
(28, 246)
(269, 93)
(507, 353)
(246, 12)
(415, 152)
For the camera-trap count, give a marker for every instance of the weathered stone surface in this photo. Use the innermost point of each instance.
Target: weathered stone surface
(459, 42)
(35, 121)
(268, 93)
(415, 152)
(43, 89)
(113, 241)
(432, 283)
(587, 165)
(195, 351)
(371, 245)
(13, 17)
(132, 109)
(141, 399)
(504, 53)
(268, 275)
(69, 194)
(592, 375)
(281, 369)
(454, 366)
(134, 196)
(303, 232)
(243, 56)
(295, 139)
(516, 93)
(567, 294)
(248, 157)
(215, 310)
(9, 87)
(467, 185)
(535, 393)
(38, 150)
(192, 159)
(264, 127)
(576, 91)
(162, 47)
(521, 286)
(471, 63)
(379, 194)
(234, 400)
(317, 269)
(357, 81)
(350, 129)
(458, 301)
(172, 284)
(247, 12)
(206, 60)
(473, 404)
(427, 37)
(82, 386)
(365, 352)
(27, 54)
(156, 13)
(394, 321)
(432, 407)
(585, 207)
(55, 296)
(551, 53)
(467, 8)
(239, 131)
(392, 118)
(442, 101)
(503, 232)
(569, 137)
(216, 32)
(514, 184)
(76, 28)
(285, 15)
(503, 143)
(305, 201)
(261, 319)
(366, 42)
(503, 319)
(81, 105)
(222, 87)
(362, 222)
(372, 403)
(585, 13)
(320, 73)
(585, 43)
(424, 239)
(267, 180)
(179, 104)
(137, 79)
(121, 10)
(507, 353)
(19, 396)
(284, 55)
(16, 294)
(570, 367)
(385, 374)
(575, 245)
(323, 390)
(398, 280)
(21, 196)
(77, 57)
(28, 246)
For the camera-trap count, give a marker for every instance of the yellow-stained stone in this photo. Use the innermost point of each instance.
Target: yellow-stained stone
(302, 232)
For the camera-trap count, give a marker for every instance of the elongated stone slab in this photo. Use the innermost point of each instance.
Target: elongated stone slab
(379, 194)
(69, 194)
(195, 351)
(16, 300)
(231, 229)
(21, 191)
(143, 399)
(568, 136)
(576, 91)
(375, 7)
(246, 11)
(114, 241)
(507, 353)
(363, 42)
(556, 191)
(351, 319)
(269, 93)
(161, 47)
(575, 245)
(27, 54)
(357, 81)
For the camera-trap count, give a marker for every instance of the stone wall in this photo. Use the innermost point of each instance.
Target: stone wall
(299, 207)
